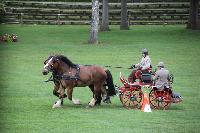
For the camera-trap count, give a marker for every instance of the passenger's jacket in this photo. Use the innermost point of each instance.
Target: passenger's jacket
(161, 78)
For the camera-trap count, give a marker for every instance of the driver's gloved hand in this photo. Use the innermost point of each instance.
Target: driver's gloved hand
(131, 67)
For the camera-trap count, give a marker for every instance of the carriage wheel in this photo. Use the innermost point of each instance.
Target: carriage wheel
(160, 99)
(131, 98)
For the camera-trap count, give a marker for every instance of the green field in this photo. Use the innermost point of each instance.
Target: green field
(26, 101)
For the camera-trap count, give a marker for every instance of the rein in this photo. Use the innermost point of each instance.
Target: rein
(117, 67)
(50, 79)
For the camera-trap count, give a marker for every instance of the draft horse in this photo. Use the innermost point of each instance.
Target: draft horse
(67, 75)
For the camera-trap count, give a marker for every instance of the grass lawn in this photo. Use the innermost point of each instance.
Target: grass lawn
(26, 101)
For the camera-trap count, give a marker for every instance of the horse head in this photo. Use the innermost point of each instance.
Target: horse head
(50, 65)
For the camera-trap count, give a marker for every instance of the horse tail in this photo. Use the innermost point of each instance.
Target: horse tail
(111, 87)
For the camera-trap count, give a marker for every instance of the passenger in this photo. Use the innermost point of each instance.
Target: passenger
(161, 77)
(143, 67)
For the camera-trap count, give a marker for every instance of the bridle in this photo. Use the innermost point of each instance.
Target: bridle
(47, 66)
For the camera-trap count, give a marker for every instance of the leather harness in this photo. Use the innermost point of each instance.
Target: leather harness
(56, 77)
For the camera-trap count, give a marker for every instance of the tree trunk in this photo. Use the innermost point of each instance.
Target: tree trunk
(105, 17)
(193, 21)
(94, 23)
(124, 20)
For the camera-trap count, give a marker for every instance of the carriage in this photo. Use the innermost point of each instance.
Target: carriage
(67, 75)
(131, 94)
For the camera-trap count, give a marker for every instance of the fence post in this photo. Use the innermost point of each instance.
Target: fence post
(21, 18)
(164, 19)
(58, 21)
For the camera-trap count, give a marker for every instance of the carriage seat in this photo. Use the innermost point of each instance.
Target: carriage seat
(146, 77)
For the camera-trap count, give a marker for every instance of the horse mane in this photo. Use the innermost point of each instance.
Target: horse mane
(65, 60)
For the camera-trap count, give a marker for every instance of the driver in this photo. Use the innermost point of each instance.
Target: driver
(143, 67)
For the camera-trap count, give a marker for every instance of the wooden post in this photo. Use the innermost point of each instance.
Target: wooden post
(21, 18)
(58, 19)
(193, 21)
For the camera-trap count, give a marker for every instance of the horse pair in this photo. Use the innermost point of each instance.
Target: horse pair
(67, 75)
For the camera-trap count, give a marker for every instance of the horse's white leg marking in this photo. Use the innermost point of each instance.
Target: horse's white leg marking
(92, 102)
(57, 104)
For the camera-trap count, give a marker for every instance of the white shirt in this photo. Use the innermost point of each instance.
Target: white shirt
(145, 63)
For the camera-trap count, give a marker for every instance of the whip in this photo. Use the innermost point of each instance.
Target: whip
(118, 67)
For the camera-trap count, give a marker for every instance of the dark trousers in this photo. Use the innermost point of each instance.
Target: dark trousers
(136, 74)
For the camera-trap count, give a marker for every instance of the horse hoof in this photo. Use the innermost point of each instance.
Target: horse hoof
(57, 104)
(89, 106)
(98, 104)
(107, 100)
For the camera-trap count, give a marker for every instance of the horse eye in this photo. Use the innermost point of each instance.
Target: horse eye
(54, 61)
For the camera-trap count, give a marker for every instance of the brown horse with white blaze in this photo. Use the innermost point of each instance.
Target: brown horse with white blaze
(67, 75)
